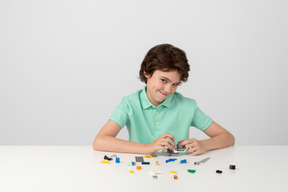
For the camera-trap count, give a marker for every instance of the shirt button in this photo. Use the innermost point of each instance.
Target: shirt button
(157, 123)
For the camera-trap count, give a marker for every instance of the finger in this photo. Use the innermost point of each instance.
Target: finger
(186, 141)
(181, 142)
(166, 144)
(194, 153)
(171, 142)
(168, 135)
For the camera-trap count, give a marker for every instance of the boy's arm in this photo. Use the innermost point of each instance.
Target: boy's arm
(219, 138)
(106, 141)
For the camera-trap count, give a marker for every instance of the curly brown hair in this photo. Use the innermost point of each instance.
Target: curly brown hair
(165, 57)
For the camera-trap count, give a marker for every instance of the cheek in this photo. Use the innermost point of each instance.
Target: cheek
(174, 89)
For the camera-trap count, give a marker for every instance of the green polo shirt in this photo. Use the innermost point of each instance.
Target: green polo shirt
(146, 122)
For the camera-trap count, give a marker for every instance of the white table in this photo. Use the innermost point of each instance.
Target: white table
(79, 168)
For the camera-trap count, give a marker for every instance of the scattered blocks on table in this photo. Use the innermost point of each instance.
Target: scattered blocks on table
(131, 163)
(104, 162)
(233, 167)
(202, 161)
(183, 161)
(145, 156)
(139, 159)
(191, 170)
(171, 159)
(218, 171)
(171, 152)
(107, 158)
(155, 177)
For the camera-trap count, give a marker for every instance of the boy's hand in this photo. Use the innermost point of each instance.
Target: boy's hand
(162, 143)
(193, 146)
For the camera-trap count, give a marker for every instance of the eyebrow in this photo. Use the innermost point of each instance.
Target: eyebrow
(170, 80)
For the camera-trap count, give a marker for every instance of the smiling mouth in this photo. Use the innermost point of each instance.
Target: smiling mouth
(163, 93)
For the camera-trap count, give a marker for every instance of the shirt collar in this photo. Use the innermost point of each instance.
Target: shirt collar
(146, 103)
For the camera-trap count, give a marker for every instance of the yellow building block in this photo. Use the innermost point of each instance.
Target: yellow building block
(148, 156)
(104, 162)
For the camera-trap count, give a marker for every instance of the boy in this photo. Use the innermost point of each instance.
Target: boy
(157, 116)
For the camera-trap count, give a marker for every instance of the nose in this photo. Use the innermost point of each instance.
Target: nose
(167, 89)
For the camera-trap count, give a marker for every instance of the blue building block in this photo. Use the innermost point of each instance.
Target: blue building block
(117, 160)
(171, 159)
(183, 161)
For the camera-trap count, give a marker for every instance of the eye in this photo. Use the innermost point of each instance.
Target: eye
(176, 84)
(163, 80)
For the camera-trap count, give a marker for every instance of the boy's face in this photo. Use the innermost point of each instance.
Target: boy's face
(161, 85)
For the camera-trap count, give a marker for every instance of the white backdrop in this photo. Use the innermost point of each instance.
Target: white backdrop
(65, 65)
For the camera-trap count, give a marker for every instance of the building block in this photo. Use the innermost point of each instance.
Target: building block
(107, 158)
(139, 159)
(191, 171)
(117, 160)
(218, 171)
(183, 161)
(148, 156)
(171, 159)
(233, 167)
(104, 162)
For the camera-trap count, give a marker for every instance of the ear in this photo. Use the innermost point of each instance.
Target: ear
(146, 75)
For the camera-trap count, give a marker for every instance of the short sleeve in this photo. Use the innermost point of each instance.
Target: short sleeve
(201, 120)
(120, 115)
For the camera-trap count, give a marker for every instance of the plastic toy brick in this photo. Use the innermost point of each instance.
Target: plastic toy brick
(182, 148)
(131, 164)
(138, 167)
(107, 158)
(139, 159)
(169, 160)
(157, 163)
(183, 161)
(131, 171)
(104, 162)
(218, 171)
(173, 172)
(175, 177)
(155, 177)
(171, 152)
(117, 160)
(202, 161)
(233, 167)
(145, 163)
(148, 156)
(191, 170)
